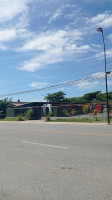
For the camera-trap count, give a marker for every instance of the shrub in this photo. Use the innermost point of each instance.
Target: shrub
(48, 117)
(73, 112)
(95, 111)
(85, 110)
(96, 118)
(20, 118)
(64, 113)
(31, 114)
(2, 115)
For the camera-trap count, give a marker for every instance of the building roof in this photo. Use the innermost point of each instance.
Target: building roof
(25, 104)
(16, 104)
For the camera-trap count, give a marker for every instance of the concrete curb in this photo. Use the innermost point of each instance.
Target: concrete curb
(56, 123)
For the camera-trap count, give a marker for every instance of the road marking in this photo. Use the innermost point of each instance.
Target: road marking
(82, 133)
(60, 132)
(29, 130)
(107, 135)
(46, 145)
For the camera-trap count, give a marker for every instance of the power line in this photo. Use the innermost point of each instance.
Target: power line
(74, 82)
(64, 73)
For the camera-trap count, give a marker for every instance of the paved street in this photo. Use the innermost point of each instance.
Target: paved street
(43, 161)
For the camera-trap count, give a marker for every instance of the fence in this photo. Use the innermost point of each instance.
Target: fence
(14, 112)
(70, 110)
(76, 110)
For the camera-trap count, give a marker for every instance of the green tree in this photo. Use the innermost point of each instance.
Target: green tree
(56, 97)
(93, 97)
(3, 105)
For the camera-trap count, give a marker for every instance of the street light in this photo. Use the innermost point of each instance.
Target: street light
(106, 73)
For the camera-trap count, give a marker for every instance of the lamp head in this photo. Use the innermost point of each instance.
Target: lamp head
(100, 29)
(108, 73)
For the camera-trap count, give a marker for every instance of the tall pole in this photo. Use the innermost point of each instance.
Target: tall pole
(108, 117)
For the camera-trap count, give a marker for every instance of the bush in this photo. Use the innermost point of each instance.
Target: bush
(31, 114)
(85, 110)
(95, 111)
(96, 118)
(20, 118)
(64, 113)
(73, 112)
(48, 117)
(2, 115)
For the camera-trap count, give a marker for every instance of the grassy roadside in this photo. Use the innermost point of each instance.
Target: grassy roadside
(63, 120)
(11, 119)
(81, 120)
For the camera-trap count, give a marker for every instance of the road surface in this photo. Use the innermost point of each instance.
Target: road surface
(43, 161)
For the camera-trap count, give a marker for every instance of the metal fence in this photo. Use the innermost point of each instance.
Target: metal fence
(78, 110)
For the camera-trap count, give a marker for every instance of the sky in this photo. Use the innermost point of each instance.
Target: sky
(46, 43)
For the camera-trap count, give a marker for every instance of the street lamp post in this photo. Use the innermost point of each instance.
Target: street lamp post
(106, 73)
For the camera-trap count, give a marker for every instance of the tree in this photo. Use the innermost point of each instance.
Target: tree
(93, 97)
(56, 97)
(3, 105)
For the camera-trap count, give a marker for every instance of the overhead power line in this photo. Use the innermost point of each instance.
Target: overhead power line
(74, 82)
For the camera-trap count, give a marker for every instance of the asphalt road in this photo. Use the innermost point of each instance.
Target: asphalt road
(55, 161)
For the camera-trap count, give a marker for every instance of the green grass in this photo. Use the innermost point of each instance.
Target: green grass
(64, 120)
(10, 119)
(79, 120)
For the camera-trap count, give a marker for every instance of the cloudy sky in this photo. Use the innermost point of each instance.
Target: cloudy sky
(45, 43)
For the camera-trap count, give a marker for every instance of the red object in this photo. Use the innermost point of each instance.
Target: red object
(98, 107)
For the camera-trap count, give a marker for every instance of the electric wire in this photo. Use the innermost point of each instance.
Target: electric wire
(74, 82)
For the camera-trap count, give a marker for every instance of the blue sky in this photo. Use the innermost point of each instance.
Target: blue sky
(44, 43)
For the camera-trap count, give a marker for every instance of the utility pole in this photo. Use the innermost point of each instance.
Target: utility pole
(106, 73)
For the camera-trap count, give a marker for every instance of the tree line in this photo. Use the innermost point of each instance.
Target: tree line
(3, 105)
(93, 97)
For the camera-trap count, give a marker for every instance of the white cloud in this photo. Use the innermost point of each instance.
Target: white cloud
(101, 54)
(101, 20)
(48, 40)
(3, 47)
(53, 47)
(13, 20)
(98, 75)
(57, 14)
(110, 36)
(38, 85)
(110, 75)
(60, 12)
(90, 82)
(110, 83)
(7, 35)
(12, 8)
(97, 1)
(47, 58)
(87, 84)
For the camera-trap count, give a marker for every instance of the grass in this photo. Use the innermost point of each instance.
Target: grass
(64, 120)
(11, 119)
(80, 120)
